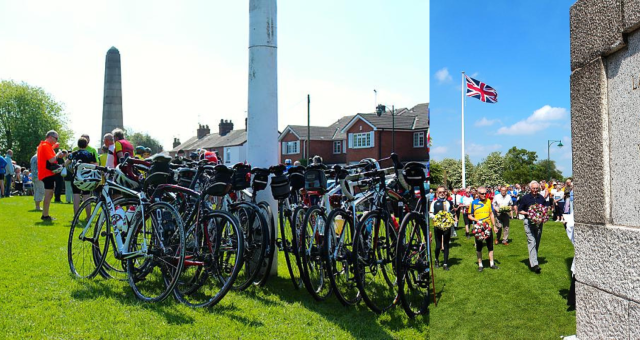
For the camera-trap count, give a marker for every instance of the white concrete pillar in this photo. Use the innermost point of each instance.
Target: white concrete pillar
(262, 125)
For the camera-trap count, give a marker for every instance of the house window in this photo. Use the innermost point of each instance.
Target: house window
(337, 147)
(361, 140)
(418, 139)
(289, 148)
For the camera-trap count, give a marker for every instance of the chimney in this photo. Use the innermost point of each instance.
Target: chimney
(203, 130)
(225, 127)
(176, 142)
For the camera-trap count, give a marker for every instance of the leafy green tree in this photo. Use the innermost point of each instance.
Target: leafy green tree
(144, 139)
(519, 165)
(26, 114)
(490, 170)
(540, 170)
(436, 172)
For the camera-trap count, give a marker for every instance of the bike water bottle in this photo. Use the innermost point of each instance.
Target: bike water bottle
(129, 218)
(119, 219)
(117, 222)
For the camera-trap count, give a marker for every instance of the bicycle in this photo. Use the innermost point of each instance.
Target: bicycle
(152, 243)
(413, 254)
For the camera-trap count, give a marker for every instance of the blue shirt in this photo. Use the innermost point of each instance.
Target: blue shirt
(528, 200)
(9, 168)
(3, 165)
(34, 165)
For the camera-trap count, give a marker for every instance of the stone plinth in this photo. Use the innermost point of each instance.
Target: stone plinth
(605, 123)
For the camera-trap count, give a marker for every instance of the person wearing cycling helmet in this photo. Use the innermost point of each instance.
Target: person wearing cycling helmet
(210, 156)
(317, 160)
(140, 152)
(147, 153)
(82, 155)
(288, 164)
(193, 156)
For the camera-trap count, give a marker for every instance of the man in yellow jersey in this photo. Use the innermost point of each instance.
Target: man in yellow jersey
(480, 211)
(102, 159)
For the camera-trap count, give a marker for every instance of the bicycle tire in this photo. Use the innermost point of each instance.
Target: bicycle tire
(255, 231)
(413, 266)
(81, 252)
(217, 264)
(288, 244)
(164, 258)
(265, 272)
(314, 274)
(374, 263)
(338, 256)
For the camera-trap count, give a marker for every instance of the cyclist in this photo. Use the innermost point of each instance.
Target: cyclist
(442, 237)
(481, 211)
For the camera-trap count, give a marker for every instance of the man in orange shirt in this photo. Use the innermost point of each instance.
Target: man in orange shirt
(45, 174)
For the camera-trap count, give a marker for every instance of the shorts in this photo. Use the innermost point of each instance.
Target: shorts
(77, 191)
(480, 244)
(1, 177)
(49, 182)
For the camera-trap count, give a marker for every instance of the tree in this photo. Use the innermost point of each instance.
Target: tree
(452, 168)
(138, 138)
(490, 170)
(519, 165)
(436, 172)
(26, 114)
(540, 171)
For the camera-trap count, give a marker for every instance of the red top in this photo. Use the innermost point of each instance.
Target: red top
(45, 153)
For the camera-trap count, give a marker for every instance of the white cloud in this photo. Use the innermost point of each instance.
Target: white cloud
(443, 75)
(539, 120)
(438, 150)
(473, 149)
(486, 122)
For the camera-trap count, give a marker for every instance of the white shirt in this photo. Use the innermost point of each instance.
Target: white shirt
(111, 159)
(502, 201)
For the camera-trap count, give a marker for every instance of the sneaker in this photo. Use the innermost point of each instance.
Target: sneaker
(47, 218)
(536, 269)
(480, 269)
(445, 267)
(494, 267)
(437, 264)
(505, 243)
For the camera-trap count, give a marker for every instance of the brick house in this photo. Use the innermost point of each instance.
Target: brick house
(229, 144)
(364, 135)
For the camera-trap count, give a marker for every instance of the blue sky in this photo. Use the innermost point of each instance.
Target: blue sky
(521, 49)
(187, 62)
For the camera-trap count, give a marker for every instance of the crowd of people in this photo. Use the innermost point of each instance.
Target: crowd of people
(50, 170)
(497, 206)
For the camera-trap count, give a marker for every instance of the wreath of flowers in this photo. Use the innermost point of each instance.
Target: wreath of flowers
(481, 231)
(538, 213)
(443, 220)
(505, 209)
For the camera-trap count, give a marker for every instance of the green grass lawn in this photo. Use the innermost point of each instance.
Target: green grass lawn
(511, 302)
(40, 299)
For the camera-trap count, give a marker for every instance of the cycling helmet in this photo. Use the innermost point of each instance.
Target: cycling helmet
(126, 178)
(87, 178)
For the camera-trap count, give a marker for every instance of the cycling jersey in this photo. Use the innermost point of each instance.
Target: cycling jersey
(481, 210)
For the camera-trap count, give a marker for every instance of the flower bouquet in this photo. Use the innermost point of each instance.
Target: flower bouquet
(538, 214)
(481, 231)
(505, 209)
(443, 220)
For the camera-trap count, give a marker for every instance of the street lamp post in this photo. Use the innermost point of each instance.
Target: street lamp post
(549, 143)
(380, 109)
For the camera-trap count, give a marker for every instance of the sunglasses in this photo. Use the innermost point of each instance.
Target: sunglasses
(441, 192)
(482, 193)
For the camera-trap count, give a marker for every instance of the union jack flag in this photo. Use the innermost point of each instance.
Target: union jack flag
(480, 90)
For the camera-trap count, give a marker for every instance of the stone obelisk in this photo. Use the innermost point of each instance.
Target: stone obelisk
(112, 101)
(262, 125)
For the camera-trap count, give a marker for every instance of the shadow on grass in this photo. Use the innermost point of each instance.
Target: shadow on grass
(351, 319)
(454, 261)
(91, 290)
(541, 260)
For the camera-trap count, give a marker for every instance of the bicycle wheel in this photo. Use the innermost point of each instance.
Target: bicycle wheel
(412, 263)
(288, 244)
(212, 268)
(314, 274)
(339, 256)
(265, 271)
(154, 273)
(255, 231)
(374, 250)
(83, 244)
(112, 267)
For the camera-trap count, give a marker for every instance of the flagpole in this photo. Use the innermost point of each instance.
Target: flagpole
(464, 182)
